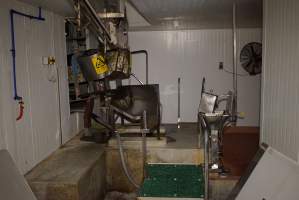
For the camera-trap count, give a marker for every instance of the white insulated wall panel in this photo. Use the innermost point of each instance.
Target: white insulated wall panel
(192, 55)
(37, 135)
(77, 122)
(280, 94)
(60, 54)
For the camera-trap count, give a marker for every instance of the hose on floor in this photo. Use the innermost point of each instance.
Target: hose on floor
(123, 162)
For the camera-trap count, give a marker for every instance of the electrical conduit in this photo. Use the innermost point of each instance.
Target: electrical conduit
(13, 53)
(123, 162)
(144, 131)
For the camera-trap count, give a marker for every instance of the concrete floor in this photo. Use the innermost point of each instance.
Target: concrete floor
(85, 170)
(221, 188)
(186, 136)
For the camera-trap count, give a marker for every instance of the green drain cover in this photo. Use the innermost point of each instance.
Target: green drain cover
(166, 180)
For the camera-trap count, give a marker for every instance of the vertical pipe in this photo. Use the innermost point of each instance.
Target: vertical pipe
(144, 149)
(235, 80)
(13, 45)
(179, 102)
(59, 106)
(13, 54)
(206, 162)
(78, 18)
(146, 64)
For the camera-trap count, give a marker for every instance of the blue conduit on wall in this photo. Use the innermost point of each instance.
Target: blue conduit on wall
(13, 54)
(13, 48)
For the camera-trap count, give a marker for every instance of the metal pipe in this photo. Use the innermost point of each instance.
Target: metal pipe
(39, 17)
(78, 18)
(96, 17)
(144, 154)
(132, 74)
(179, 102)
(206, 162)
(203, 85)
(146, 62)
(59, 106)
(102, 122)
(13, 45)
(235, 71)
(145, 130)
(125, 114)
(121, 153)
(144, 149)
(123, 162)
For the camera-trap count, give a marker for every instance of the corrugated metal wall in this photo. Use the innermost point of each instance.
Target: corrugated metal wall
(192, 55)
(33, 138)
(280, 94)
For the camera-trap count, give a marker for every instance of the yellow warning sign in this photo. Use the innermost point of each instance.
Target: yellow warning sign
(99, 64)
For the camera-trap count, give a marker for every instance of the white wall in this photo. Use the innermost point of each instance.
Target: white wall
(280, 94)
(274, 177)
(33, 138)
(192, 55)
(77, 122)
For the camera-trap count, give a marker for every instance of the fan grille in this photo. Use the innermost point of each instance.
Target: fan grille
(251, 58)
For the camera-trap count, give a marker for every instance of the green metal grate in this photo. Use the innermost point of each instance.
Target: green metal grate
(166, 180)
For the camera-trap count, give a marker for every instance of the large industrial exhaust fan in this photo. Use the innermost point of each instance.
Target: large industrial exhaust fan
(251, 58)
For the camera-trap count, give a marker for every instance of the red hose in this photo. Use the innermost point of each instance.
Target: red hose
(21, 113)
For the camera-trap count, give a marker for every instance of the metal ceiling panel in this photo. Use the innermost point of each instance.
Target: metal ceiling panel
(61, 7)
(193, 14)
(135, 18)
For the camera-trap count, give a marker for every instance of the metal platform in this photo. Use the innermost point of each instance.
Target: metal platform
(175, 181)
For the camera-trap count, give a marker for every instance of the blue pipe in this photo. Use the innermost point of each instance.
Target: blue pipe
(13, 48)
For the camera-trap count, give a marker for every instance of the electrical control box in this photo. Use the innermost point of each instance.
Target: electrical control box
(48, 60)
